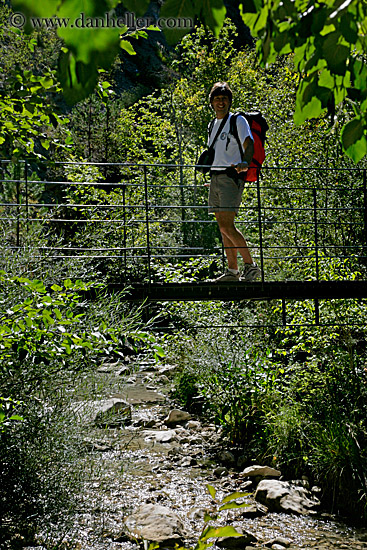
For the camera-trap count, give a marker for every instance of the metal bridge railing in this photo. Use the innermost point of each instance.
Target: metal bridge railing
(151, 222)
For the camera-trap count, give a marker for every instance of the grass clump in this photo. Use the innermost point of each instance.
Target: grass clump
(51, 339)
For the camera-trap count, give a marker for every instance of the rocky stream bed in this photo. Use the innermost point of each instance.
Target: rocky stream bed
(150, 467)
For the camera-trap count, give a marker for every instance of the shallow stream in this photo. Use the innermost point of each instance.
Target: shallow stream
(129, 467)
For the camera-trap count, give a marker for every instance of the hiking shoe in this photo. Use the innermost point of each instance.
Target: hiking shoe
(228, 277)
(251, 273)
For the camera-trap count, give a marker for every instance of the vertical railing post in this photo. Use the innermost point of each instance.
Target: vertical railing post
(147, 223)
(316, 232)
(260, 226)
(183, 203)
(365, 207)
(124, 221)
(17, 183)
(317, 311)
(26, 195)
(284, 313)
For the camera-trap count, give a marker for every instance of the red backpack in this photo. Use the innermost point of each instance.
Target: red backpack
(259, 127)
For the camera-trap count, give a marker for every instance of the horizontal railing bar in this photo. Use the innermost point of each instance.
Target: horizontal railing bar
(186, 186)
(174, 165)
(158, 247)
(189, 256)
(130, 223)
(186, 207)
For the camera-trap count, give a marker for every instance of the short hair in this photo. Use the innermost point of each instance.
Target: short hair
(220, 88)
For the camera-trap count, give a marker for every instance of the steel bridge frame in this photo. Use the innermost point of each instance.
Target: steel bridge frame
(23, 211)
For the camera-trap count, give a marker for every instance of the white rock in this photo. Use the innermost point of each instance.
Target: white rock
(160, 436)
(109, 412)
(177, 416)
(263, 471)
(279, 543)
(193, 425)
(283, 496)
(155, 523)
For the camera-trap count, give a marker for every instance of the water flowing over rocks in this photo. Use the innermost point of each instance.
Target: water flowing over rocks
(149, 476)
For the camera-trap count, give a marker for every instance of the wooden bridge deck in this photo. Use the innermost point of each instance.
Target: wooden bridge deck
(199, 291)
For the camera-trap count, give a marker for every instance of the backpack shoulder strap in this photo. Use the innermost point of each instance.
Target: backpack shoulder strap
(222, 124)
(234, 131)
(210, 127)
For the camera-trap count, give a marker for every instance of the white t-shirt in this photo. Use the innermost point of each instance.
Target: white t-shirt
(226, 147)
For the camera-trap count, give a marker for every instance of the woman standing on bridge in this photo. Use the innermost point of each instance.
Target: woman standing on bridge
(226, 185)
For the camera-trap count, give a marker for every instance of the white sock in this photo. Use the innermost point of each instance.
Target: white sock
(234, 271)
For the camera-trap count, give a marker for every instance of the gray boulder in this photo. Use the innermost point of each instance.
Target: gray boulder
(283, 496)
(155, 523)
(109, 413)
(160, 436)
(112, 413)
(261, 471)
(279, 542)
(236, 543)
(176, 417)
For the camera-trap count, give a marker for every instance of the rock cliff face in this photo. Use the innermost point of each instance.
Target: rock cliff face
(147, 69)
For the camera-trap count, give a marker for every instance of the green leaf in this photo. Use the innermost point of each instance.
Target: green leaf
(16, 417)
(326, 79)
(352, 132)
(235, 495)
(281, 43)
(125, 45)
(318, 21)
(299, 56)
(348, 27)
(360, 74)
(235, 504)
(212, 491)
(45, 143)
(335, 53)
(92, 45)
(251, 6)
(56, 288)
(159, 351)
(354, 140)
(358, 150)
(313, 109)
(216, 532)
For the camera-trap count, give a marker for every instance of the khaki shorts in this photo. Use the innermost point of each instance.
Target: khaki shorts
(225, 194)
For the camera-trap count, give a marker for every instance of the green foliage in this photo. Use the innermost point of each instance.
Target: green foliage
(186, 388)
(37, 329)
(89, 46)
(320, 426)
(28, 117)
(7, 408)
(210, 532)
(237, 396)
(329, 46)
(50, 340)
